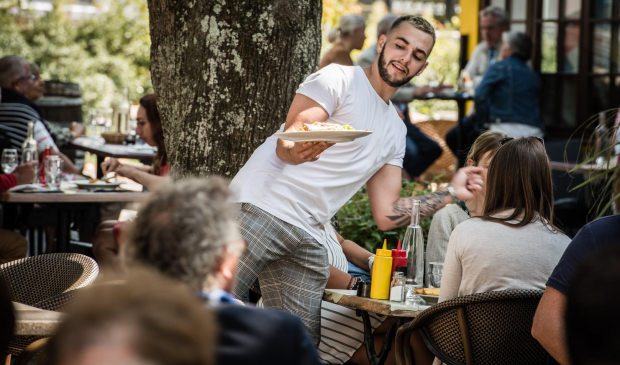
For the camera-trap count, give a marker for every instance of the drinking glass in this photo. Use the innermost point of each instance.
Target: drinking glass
(436, 273)
(9, 160)
(53, 171)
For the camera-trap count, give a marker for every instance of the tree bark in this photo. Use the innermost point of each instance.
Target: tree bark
(225, 72)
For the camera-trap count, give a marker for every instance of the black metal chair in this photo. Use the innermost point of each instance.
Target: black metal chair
(484, 329)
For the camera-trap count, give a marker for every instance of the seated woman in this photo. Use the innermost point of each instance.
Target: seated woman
(149, 129)
(448, 217)
(106, 241)
(349, 35)
(513, 245)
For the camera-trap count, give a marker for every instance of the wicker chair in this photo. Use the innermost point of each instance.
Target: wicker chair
(483, 328)
(46, 282)
(445, 165)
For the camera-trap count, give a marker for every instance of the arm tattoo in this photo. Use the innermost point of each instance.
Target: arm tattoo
(430, 203)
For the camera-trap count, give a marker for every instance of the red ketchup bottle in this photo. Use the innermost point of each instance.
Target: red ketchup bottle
(47, 152)
(399, 258)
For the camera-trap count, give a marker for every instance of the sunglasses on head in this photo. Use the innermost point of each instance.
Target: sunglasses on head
(508, 139)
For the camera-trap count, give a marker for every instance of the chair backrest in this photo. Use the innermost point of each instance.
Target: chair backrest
(483, 328)
(14, 120)
(42, 281)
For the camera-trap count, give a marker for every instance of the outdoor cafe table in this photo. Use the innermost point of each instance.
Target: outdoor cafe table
(31, 321)
(363, 306)
(102, 150)
(68, 200)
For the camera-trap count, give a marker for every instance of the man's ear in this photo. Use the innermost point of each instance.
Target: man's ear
(381, 42)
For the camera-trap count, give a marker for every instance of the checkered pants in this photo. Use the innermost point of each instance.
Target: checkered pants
(291, 266)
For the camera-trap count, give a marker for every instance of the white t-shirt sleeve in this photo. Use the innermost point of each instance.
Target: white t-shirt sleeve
(399, 156)
(43, 137)
(325, 87)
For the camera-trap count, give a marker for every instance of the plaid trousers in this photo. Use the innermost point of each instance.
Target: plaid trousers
(291, 266)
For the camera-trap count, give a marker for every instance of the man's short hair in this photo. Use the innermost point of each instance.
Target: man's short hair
(497, 12)
(11, 69)
(417, 22)
(145, 316)
(183, 230)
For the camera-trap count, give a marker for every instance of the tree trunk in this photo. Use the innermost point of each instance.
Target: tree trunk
(225, 72)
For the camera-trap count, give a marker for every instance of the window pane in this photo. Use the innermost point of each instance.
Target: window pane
(571, 48)
(548, 107)
(572, 9)
(601, 48)
(599, 94)
(601, 8)
(569, 101)
(517, 27)
(549, 63)
(550, 9)
(519, 10)
(618, 50)
(500, 3)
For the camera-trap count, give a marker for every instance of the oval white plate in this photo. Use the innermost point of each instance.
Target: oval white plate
(322, 136)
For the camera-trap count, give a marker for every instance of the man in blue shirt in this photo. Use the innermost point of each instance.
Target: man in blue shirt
(507, 98)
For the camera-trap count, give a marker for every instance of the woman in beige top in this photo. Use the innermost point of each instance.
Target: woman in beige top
(349, 35)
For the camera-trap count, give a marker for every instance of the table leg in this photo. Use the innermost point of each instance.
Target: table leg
(63, 231)
(373, 357)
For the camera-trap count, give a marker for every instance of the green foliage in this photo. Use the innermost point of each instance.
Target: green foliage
(357, 224)
(599, 139)
(102, 54)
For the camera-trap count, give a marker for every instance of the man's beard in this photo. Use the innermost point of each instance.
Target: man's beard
(383, 72)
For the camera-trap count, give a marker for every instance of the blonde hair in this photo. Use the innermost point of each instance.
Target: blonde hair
(347, 24)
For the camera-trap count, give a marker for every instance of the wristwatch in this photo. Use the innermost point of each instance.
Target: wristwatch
(453, 194)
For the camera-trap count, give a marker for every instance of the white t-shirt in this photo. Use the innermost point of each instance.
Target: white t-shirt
(309, 194)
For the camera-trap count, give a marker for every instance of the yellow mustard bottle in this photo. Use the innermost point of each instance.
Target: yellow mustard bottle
(381, 274)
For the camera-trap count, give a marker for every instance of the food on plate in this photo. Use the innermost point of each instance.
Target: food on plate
(324, 126)
(97, 181)
(428, 291)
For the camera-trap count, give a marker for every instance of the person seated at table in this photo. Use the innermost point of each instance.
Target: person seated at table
(150, 130)
(520, 246)
(592, 317)
(144, 319)
(106, 241)
(342, 331)
(513, 244)
(480, 154)
(349, 35)
(507, 99)
(16, 110)
(62, 135)
(188, 232)
(13, 245)
(548, 327)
